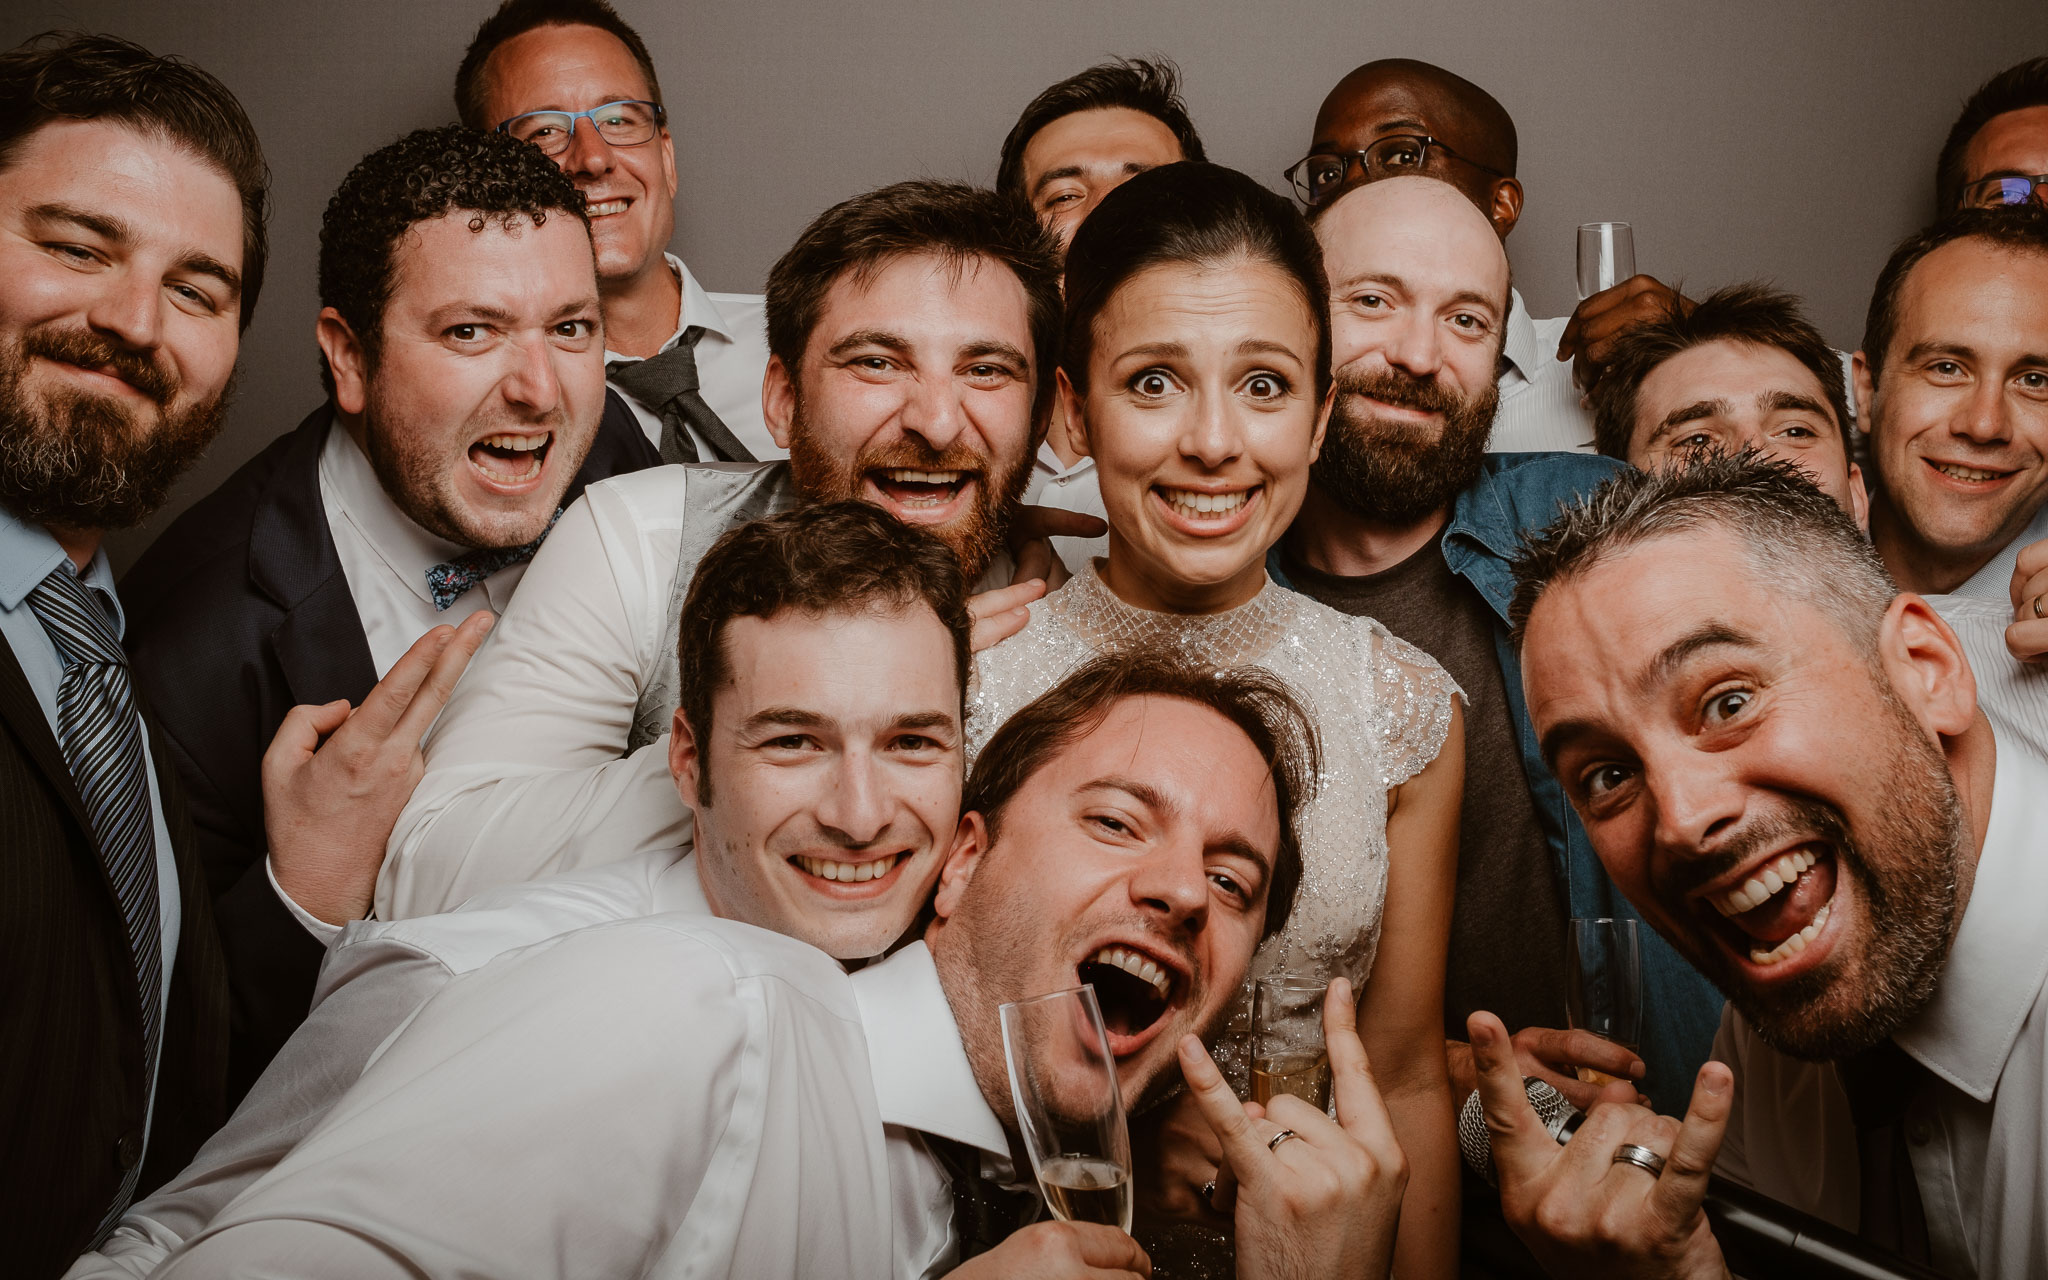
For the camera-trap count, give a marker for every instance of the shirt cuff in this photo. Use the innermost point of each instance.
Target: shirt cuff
(326, 933)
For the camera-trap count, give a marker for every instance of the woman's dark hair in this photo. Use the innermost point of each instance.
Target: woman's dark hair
(1191, 214)
(67, 76)
(1257, 702)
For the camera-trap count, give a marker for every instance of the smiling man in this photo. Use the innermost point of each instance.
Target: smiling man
(574, 80)
(462, 343)
(1779, 758)
(911, 329)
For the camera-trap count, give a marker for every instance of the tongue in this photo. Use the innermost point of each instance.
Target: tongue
(1791, 909)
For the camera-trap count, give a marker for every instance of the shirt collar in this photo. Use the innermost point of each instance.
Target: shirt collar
(28, 552)
(1520, 351)
(923, 1080)
(1999, 960)
(405, 548)
(1048, 461)
(695, 310)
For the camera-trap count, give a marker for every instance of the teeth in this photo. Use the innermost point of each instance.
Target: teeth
(1795, 944)
(520, 444)
(1190, 503)
(599, 208)
(848, 872)
(1965, 473)
(1753, 893)
(903, 476)
(1137, 966)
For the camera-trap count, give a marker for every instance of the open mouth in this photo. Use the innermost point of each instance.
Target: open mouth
(510, 459)
(1779, 911)
(1204, 513)
(848, 877)
(605, 208)
(1136, 992)
(911, 492)
(1967, 475)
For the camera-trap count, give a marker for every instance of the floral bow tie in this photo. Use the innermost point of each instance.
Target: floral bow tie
(447, 582)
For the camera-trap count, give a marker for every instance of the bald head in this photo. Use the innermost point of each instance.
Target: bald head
(1418, 231)
(1402, 96)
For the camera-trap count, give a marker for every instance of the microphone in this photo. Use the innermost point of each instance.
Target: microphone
(1761, 1238)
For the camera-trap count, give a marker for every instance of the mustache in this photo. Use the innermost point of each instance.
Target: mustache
(1404, 390)
(916, 455)
(89, 350)
(1799, 819)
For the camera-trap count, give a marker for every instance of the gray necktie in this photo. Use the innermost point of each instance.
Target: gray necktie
(668, 385)
(101, 734)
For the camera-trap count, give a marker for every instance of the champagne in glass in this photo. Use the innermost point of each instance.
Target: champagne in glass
(1288, 1055)
(1607, 256)
(1069, 1106)
(1604, 985)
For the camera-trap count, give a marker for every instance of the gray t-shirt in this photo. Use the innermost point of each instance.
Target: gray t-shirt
(1508, 925)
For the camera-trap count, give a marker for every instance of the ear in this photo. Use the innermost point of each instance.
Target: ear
(1315, 445)
(345, 360)
(970, 841)
(683, 762)
(1865, 390)
(1927, 666)
(668, 161)
(1070, 405)
(1506, 208)
(1859, 498)
(778, 400)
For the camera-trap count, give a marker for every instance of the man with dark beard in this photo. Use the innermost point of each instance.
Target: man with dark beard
(1780, 759)
(911, 331)
(1410, 521)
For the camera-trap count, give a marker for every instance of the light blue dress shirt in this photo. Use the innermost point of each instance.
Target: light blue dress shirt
(27, 555)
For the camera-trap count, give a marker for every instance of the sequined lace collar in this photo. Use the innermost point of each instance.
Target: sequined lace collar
(1088, 608)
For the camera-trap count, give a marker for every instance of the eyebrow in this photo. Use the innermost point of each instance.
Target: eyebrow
(1922, 350)
(925, 720)
(1779, 401)
(1152, 797)
(1160, 350)
(992, 347)
(109, 228)
(868, 338)
(1055, 175)
(1709, 635)
(787, 717)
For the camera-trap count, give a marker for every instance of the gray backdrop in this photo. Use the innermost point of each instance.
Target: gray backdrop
(1785, 139)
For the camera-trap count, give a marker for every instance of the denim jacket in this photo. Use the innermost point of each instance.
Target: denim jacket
(1519, 493)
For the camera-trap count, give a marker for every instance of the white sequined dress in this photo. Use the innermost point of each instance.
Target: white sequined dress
(1381, 706)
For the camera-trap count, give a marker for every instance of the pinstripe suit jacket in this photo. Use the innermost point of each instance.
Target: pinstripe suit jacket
(72, 1096)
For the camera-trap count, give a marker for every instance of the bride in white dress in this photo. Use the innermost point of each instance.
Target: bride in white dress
(1196, 372)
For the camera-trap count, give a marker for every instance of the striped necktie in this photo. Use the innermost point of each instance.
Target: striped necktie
(101, 734)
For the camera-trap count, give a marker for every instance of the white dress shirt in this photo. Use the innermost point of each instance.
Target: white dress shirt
(2012, 694)
(376, 977)
(1539, 403)
(1055, 484)
(670, 1096)
(385, 557)
(527, 769)
(1978, 1136)
(732, 356)
(1994, 580)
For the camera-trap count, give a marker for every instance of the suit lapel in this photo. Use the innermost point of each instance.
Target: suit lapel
(24, 715)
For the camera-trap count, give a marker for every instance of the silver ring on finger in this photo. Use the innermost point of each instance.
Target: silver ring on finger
(1209, 1193)
(1641, 1157)
(2038, 600)
(1273, 1143)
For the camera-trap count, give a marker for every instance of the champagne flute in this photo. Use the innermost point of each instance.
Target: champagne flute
(1604, 985)
(1069, 1107)
(1607, 256)
(1288, 1054)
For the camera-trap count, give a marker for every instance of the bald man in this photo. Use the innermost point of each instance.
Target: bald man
(1399, 116)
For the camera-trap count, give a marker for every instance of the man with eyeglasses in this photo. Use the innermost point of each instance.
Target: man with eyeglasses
(572, 78)
(1997, 151)
(1401, 116)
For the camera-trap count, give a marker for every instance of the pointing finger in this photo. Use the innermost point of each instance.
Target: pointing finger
(1220, 1107)
(1682, 1188)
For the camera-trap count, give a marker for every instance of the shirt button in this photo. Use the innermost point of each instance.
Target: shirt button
(129, 1148)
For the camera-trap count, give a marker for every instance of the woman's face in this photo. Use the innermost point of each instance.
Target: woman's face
(1202, 418)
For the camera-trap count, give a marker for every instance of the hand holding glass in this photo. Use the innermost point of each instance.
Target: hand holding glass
(1288, 1053)
(1607, 256)
(1069, 1107)
(1604, 986)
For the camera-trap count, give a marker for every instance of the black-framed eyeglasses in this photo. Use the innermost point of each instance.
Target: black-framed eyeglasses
(625, 123)
(1321, 174)
(1992, 193)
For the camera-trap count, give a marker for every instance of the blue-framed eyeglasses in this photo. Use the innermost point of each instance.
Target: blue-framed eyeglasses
(625, 123)
(1990, 193)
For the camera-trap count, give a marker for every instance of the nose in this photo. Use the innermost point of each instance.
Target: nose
(1699, 801)
(1213, 433)
(1414, 345)
(1985, 418)
(853, 806)
(1173, 882)
(588, 154)
(129, 309)
(533, 384)
(932, 411)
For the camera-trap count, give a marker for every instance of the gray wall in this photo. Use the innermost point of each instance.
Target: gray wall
(1784, 139)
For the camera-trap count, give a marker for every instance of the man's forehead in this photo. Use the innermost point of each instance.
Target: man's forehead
(556, 67)
(1739, 371)
(950, 297)
(877, 659)
(1419, 231)
(1953, 283)
(1393, 100)
(2013, 142)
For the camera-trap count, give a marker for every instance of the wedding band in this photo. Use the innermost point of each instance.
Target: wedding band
(1641, 1157)
(2037, 605)
(1209, 1193)
(1273, 1143)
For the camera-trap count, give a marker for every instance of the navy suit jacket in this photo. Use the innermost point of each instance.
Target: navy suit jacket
(239, 612)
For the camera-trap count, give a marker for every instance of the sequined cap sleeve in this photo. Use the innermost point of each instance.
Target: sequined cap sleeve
(1416, 696)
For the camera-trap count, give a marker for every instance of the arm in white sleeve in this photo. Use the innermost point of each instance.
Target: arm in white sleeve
(526, 769)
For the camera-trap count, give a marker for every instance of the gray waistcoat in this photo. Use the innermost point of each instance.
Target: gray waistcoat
(717, 496)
